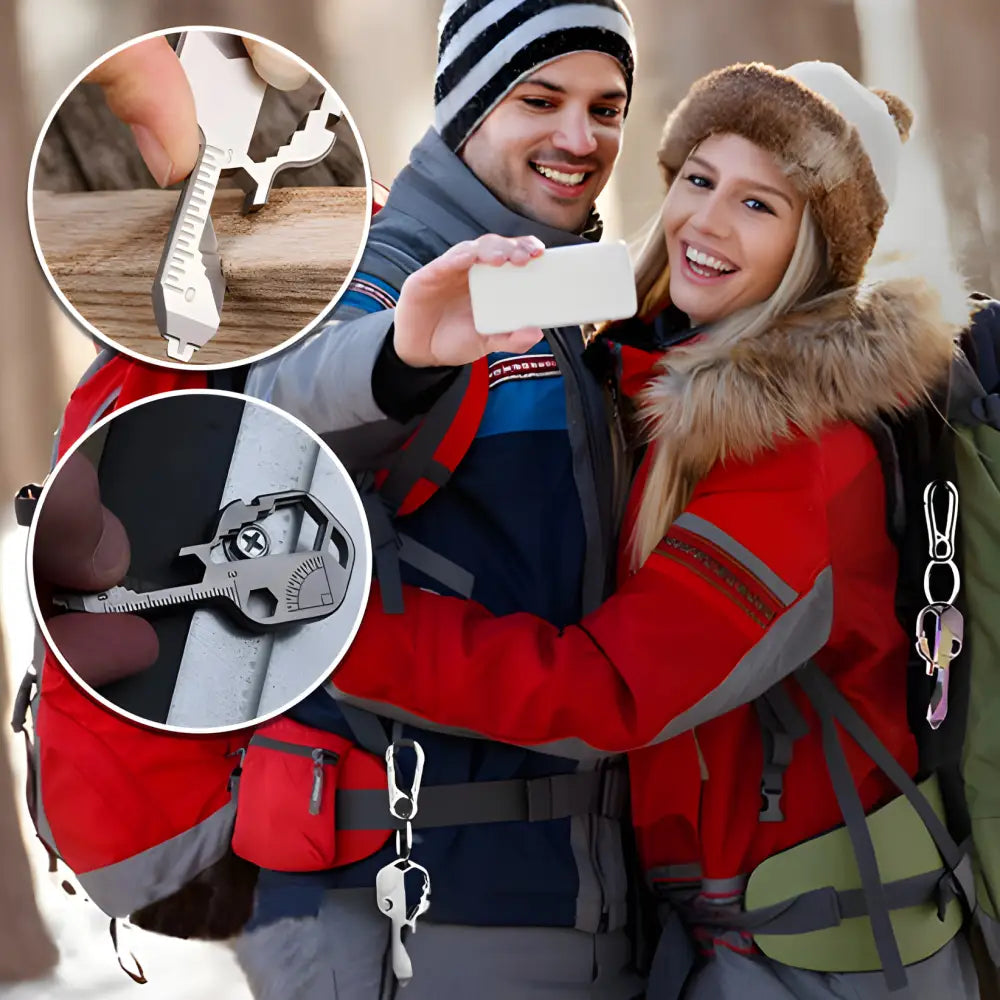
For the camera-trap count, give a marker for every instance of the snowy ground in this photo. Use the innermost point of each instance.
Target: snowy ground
(88, 969)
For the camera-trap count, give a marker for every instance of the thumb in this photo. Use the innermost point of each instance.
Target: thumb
(79, 543)
(274, 67)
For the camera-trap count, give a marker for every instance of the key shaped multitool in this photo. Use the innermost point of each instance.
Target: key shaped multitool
(390, 889)
(940, 631)
(260, 589)
(189, 287)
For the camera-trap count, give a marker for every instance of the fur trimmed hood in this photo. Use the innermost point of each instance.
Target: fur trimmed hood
(847, 356)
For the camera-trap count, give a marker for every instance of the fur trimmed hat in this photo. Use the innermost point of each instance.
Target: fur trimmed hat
(839, 141)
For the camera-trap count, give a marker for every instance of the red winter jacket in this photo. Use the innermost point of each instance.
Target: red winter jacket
(780, 554)
(679, 650)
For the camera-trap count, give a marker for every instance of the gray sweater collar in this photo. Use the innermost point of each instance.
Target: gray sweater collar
(436, 186)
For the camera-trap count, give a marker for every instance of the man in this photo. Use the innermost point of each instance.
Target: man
(530, 97)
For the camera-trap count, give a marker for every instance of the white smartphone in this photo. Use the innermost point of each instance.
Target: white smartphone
(565, 286)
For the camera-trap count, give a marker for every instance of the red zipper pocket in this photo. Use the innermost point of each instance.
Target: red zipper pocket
(286, 812)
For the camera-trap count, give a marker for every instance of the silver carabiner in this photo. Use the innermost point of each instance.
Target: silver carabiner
(942, 543)
(403, 802)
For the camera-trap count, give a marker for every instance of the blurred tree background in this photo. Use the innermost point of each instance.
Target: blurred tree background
(380, 55)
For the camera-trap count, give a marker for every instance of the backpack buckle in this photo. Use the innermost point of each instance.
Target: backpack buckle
(22, 700)
(770, 801)
(25, 502)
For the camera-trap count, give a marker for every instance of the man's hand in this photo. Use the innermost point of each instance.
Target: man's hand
(81, 545)
(433, 324)
(147, 89)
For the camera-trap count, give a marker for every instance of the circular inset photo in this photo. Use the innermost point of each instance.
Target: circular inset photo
(244, 254)
(199, 561)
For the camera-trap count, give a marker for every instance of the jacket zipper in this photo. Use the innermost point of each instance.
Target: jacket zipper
(569, 365)
(593, 427)
(320, 758)
(619, 450)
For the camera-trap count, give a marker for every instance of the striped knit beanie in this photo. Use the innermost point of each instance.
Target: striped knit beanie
(486, 47)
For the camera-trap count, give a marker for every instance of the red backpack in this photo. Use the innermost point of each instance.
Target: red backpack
(136, 812)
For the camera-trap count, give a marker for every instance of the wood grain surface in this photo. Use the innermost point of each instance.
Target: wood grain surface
(282, 265)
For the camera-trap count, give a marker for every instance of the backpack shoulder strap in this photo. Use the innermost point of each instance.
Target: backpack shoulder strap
(429, 457)
(975, 397)
(414, 473)
(781, 724)
(425, 463)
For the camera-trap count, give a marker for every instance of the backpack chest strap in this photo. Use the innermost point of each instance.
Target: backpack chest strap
(602, 792)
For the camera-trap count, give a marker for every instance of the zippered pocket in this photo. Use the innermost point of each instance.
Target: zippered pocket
(320, 760)
(286, 813)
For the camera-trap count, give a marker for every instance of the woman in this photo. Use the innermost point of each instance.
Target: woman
(755, 544)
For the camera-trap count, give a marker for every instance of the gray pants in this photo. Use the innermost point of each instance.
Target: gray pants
(727, 975)
(343, 954)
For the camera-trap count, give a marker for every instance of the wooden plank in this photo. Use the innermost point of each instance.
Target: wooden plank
(282, 264)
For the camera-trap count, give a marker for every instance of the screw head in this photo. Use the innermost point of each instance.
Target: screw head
(251, 542)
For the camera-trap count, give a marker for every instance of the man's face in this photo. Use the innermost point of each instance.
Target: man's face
(547, 149)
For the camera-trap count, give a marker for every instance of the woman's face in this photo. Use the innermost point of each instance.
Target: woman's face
(731, 221)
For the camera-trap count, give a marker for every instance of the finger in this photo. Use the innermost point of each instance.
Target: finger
(78, 542)
(443, 270)
(517, 342)
(104, 648)
(146, 88)
(491, 249)
(274, 67)
(491, 241)
(497, 250)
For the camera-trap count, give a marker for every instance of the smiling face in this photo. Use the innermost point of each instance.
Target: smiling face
(547, 149)
(731, 221)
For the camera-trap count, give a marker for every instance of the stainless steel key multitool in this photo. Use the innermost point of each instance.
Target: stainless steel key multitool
(189, 287)
(390, 889)
(259, 589)
(940, 631)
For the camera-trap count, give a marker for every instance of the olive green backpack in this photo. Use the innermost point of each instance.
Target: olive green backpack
(887, 890)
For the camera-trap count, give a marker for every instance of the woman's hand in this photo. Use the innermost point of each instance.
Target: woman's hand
(434, 325)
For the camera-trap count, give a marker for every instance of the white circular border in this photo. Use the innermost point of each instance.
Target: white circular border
(325, 674)
(180, 365)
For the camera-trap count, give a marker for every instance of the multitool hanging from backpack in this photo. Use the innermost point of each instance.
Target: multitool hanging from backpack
(261, 590)
(940, 625)
(390, 882)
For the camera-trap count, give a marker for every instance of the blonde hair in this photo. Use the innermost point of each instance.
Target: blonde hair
(664, 495)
